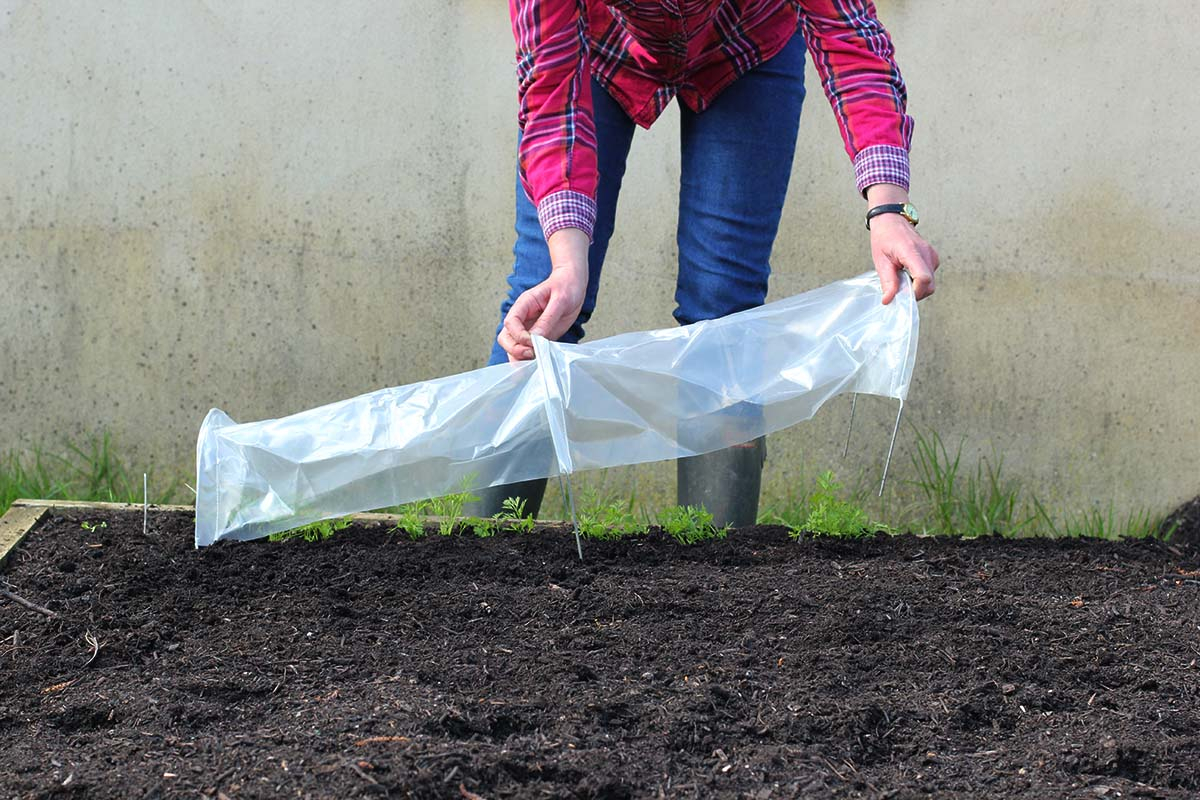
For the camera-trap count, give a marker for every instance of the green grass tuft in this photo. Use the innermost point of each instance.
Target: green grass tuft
(982, 502)
(960, 502)
(1137, 524)
(89, 471)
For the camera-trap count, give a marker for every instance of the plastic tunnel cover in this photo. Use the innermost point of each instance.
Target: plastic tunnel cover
(628, 399)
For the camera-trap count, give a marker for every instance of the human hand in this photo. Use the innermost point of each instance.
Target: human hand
(896, 246)
(551, 307)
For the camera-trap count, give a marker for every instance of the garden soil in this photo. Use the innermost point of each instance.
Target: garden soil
(369, 665)
(1184, 524)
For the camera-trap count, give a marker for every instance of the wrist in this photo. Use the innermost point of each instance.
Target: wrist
(885, 193)
(568, 249)
(905, 211)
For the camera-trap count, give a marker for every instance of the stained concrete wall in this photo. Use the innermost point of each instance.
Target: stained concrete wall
(264, 206)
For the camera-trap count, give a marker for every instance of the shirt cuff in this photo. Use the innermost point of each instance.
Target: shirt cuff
(881, 163)
(567, 209)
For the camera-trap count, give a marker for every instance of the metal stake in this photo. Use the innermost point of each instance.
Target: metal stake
(850, 427)
(562, 487)
(574, 520)
(891, 446)
(145, 501)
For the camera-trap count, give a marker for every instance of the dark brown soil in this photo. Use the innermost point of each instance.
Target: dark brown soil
(371, 666)
(1184, 524)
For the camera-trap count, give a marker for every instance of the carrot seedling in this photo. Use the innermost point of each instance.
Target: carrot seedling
(690, 524)
(316, 532)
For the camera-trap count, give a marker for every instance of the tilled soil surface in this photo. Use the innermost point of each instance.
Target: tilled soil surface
(1184, 524)
(372, 666)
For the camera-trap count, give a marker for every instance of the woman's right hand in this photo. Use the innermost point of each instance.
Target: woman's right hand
(551, 307)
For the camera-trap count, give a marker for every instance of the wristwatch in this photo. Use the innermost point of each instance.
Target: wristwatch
(906, 210)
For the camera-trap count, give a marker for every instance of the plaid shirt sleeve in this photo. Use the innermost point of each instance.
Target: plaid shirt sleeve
(557, 153)
(854, 56)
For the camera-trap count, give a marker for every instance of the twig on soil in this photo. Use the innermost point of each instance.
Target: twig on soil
(21, 601)
(439, 756)
(363, 775)
(374, 783)
(841, 777)
(91, 639)
(380, 740)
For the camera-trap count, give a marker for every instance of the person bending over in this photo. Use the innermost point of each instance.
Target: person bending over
(590, 71)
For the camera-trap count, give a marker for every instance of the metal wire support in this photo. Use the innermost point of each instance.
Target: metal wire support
(566, 490)
(891, 447)
(145, 503)
(850, 427)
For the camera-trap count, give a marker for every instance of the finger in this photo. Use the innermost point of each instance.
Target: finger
(527, 308)
(515, 322)
(515, 329)
(934, 258)
(889, 278)
(921, 272)
(516, 352)
(505, 340)
(525, 354)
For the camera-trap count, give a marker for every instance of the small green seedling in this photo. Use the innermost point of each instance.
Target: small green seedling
(610, 520)
(483, 527)
(513, 514)
(411, 520)
(449, 507)
(690, 524)
(316, 532)
(828, 514)
(92, 527)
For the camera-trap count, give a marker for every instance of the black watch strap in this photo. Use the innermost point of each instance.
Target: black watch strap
(886, 208)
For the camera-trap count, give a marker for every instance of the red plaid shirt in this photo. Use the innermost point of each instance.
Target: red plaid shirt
(646, 52)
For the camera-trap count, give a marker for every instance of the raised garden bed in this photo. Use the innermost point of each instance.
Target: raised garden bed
(369, 665)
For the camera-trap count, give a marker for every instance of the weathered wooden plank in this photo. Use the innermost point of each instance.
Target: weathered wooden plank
(44, 506)
(15, 523)
(23, 503)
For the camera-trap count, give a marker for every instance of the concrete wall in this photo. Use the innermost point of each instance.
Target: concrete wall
(264, 206)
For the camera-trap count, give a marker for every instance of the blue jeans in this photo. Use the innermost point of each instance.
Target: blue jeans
(736, 161)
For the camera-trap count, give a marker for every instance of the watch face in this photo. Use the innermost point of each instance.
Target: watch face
(910, 211)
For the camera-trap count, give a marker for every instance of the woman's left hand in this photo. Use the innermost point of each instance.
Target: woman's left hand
(896, 246)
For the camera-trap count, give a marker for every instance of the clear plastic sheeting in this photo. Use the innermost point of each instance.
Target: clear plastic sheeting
(628, 399)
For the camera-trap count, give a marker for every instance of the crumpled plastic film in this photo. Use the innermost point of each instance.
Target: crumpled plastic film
(628, 399)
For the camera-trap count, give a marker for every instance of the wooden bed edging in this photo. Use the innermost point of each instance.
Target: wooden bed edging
(24, 514)
(16, 522)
